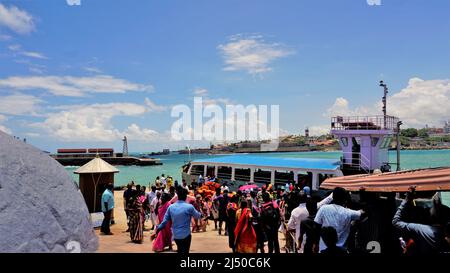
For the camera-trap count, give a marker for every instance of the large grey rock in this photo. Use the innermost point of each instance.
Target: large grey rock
(41, 209)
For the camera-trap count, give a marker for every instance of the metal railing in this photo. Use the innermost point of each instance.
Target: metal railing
(362, 162)
(364, 123)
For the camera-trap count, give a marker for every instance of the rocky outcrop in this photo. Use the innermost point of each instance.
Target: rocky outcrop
(41, 208)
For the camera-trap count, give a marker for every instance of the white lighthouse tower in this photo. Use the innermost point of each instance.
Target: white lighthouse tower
(365, 140)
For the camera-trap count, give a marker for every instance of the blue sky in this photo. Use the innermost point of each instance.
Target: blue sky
(129, 62)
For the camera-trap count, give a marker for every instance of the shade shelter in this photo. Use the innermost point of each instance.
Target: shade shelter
(94, 176)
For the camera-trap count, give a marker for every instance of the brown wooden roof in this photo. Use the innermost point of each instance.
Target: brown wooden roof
(431, 179)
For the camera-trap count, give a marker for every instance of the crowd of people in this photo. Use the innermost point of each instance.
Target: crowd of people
(336, 223)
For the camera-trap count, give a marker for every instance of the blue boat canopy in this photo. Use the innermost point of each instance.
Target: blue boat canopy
(272, 162)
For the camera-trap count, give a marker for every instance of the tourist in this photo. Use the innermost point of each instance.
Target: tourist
(151, 194)
(107, 209)
(214, 208)
(154, 209)
(126, 199)
(339, 217)
(225, 187)
(136, 224)
(145, 206)
(169, 182)
(270, 222)
(172, 192)
(180, 213)
(301, 213)
(427, 239)
(163, 180)
(164, 237)
(256, 221)
(447, 238)
(194, 185)
(232, 208)
(184, 185)
(223, 202)
(158, 183)
(330, 238)
(199, 224)
(201, 180)
(245, 236)
(309, 229)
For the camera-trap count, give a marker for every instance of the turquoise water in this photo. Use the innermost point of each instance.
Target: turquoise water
(172, 163)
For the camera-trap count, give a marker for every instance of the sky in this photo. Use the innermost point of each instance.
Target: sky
(86, 75)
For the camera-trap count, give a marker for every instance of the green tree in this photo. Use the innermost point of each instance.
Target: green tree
(410, 132)
(423, 133)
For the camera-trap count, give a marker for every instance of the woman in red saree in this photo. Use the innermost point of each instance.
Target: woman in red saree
(245, 236)
(164, 238)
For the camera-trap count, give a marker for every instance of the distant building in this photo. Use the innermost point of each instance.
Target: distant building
(447, 127)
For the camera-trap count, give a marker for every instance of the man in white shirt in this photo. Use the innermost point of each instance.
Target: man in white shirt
(300, 213)
(337, 216)
(163, 180)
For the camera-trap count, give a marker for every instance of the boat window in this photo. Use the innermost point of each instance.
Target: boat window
(210, 171)
(197, 170)
(386, 142)
(224, 172)
(262, 176)
(284, 177)
(344, 141)
(374, 141)
(242, 174)
(356, 141)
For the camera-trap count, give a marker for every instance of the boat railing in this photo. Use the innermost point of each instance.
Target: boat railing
(379, 122)
(224, 175)
(361, 163)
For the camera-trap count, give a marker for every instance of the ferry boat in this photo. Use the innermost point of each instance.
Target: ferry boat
(238, 170)
(364, 141)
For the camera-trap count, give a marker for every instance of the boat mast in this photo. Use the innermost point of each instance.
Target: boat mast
(382, 84)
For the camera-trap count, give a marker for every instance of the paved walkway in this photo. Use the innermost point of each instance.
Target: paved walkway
(203, 242)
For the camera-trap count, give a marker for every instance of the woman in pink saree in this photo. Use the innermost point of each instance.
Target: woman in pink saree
(164, 237)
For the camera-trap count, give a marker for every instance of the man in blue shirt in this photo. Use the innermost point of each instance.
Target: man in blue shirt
(180, 214)
(107, 208)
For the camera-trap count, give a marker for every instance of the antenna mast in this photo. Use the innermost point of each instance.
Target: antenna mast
(382, 84)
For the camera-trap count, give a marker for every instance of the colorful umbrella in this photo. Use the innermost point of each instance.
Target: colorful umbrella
(248, 187)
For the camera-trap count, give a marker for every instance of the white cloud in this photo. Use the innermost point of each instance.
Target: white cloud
(153, 107)
(134, 132)
(16, 19)
(19, 104)
(31, 134)
(251, 54)
(341, 108)
(421, 102)
(93, 122)
(4, 37)
(5, 129)
(73, 86)
(200, 92)
(2, 127)
(204, 93)
(93, 70)
(319, 130)
(18, 49)
(33, 54)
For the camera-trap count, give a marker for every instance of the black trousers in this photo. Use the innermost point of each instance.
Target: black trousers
(272, 240)
(183, 245)
(106, 221)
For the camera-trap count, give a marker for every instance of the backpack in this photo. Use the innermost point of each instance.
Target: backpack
(270, 216)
